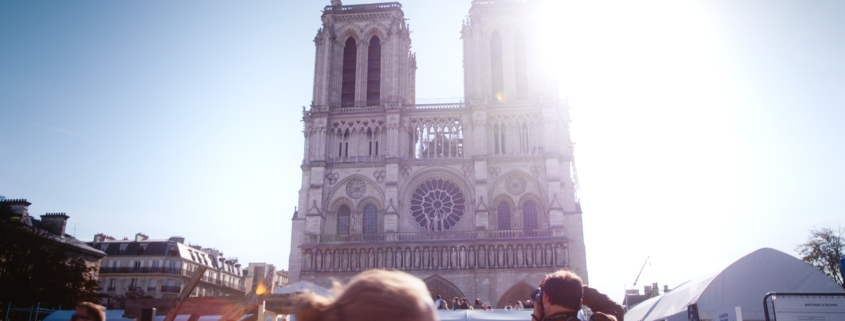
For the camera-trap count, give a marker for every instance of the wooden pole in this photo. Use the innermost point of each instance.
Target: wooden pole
(186, 292)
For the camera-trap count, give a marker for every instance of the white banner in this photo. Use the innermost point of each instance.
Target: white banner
(790, 308)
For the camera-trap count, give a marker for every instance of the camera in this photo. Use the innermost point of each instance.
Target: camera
(537, 296)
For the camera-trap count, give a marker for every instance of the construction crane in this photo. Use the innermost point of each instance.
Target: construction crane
(635, 281)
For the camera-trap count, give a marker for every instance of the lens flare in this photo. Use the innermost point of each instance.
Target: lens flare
(260, 289)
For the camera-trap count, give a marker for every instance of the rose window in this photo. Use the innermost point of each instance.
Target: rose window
(437, 205)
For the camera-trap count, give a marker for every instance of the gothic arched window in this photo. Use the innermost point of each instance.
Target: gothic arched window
(343, 220)
(374, 72)
(504, 215)
(347, 88)
(496, 72)
(520, 66)
(529, 215)
(370, 219)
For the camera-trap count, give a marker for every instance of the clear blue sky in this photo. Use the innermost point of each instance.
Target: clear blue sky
(704, 130)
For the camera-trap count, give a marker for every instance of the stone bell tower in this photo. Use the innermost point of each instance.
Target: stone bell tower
(475, 197)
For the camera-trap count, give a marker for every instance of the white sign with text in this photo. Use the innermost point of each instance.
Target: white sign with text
(790, 308)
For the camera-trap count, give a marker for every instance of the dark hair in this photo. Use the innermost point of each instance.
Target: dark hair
(95, 311)
(563, 288)
(439, 297)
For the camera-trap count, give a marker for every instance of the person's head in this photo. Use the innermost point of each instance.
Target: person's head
(519, 303)
(87, 311)
(562, 289)
(477, 301)
(463, 299)
(439, 297)
(371, 295)
(489, 307)
(455, 299)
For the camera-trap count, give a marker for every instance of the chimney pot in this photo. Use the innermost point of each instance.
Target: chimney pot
(54, 223)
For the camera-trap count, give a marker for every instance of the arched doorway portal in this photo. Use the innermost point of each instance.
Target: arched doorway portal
(520, 291)
(440, 286)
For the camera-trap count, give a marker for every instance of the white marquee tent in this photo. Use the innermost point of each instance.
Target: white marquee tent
(304, 287)
(744, 283)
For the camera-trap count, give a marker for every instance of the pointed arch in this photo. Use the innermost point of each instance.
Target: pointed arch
(437, 285)
(374, 71)
(503, 215)
(529, 215)
(521, 291)
(496, 67)
(350, 57)
(370, 220)
(520, 65)
(343, 216)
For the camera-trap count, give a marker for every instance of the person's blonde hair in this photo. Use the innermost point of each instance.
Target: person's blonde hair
(371, 295)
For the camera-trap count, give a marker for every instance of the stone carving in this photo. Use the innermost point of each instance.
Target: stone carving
(356, 188)
(526, 255)
(332, 177)
(494, 172)
(379, 175)
(536, 170)
(468, 170)
(437, 205)
(406, 171)
(515, 184)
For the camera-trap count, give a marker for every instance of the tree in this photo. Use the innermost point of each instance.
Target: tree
(823, 250)
(34, 268)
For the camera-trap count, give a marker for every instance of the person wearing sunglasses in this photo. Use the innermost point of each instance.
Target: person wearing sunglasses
(87, 311)
(561, 294)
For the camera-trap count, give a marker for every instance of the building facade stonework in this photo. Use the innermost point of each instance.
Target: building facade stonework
(476, 198)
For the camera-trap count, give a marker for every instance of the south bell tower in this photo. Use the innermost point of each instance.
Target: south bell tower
(474, 197)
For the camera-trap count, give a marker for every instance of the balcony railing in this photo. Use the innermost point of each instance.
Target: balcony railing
(165, 270)
(170, 289)
(432, 236)
(151, 289)
(169, 270)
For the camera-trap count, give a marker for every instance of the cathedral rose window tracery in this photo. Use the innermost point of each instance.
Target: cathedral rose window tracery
(356, 188)
(437, 205)
(515, 185)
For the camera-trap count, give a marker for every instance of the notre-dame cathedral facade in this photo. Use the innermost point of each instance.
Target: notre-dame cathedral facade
(476, 198)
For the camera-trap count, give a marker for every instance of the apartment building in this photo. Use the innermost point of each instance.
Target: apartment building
(161, 268)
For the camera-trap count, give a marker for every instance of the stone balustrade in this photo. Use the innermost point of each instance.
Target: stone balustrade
(364, 7)
(437, 106)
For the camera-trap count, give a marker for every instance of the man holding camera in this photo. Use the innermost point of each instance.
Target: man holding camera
(561, 294)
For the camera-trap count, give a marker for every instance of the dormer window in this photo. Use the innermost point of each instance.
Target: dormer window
(122, 249)
(142, 249)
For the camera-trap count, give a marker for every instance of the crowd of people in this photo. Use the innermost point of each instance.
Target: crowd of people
(395, 295)
(376, 294)
(462, 304)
